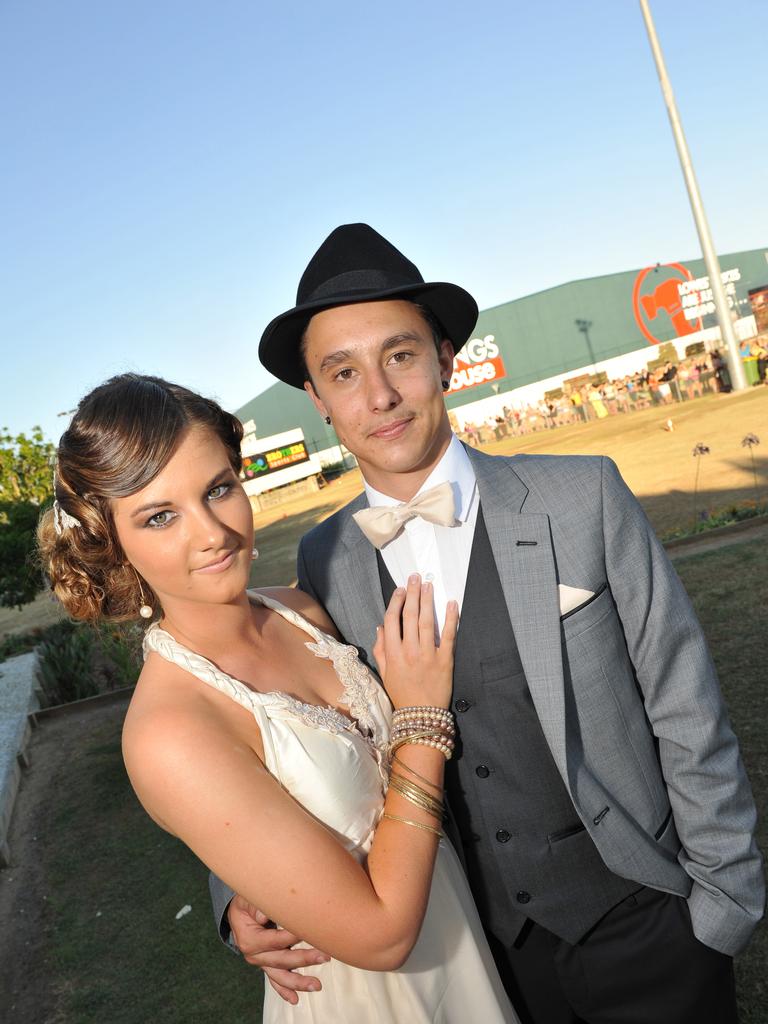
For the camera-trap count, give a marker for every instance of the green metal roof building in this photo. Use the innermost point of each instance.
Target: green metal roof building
(557, 331)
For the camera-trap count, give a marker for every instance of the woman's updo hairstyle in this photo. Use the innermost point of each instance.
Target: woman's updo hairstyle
(122, 435)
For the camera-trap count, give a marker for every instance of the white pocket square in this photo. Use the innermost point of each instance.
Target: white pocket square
(572, 597)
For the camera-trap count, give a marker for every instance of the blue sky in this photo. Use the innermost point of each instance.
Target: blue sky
(169, 167)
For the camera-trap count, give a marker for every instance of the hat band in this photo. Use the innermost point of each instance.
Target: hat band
(359, 281)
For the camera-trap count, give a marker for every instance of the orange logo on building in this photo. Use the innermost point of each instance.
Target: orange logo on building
(663, 306)
(479, 362)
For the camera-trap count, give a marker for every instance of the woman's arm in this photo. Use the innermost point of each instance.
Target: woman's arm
(210, 790)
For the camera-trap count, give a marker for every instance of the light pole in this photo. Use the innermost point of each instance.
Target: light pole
(583, 326)
(727, 333)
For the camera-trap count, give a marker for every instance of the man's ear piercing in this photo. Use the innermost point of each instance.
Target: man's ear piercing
(328, 420)
(446, 384)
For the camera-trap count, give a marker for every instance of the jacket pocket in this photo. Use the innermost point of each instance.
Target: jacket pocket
(663, 827)
(500, 667)
(565, 833)
(580, 608)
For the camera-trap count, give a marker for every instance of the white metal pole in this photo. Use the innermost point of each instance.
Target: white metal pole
(727, 333)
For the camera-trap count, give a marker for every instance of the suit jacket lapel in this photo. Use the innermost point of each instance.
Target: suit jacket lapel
(522, 548)
(358, 589)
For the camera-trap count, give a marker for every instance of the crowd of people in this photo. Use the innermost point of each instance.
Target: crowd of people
(669, 383)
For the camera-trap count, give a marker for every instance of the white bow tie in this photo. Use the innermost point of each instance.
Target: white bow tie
(380, 525)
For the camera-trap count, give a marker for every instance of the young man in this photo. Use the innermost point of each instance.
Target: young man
(601, 805)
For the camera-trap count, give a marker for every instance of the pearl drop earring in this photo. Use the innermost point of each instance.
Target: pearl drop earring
(145, 611)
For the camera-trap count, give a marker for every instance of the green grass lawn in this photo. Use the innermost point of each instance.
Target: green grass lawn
(115, 881)
(729, 589)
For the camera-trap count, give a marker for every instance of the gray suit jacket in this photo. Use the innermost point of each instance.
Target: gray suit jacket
(623, 685)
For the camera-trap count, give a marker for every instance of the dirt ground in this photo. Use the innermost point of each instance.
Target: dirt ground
(41, 612)
(26, 991)
(656, 463)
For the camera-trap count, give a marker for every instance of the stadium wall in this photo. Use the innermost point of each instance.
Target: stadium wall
(539, 340)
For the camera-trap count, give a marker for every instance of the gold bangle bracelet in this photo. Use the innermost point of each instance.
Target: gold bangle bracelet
(413, 772)
(416, 795)
(416, 824)
(409, 789)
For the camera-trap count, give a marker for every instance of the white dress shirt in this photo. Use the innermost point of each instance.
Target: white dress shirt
(439, 554)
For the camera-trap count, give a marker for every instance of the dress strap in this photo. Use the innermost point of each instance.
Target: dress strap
(161, 642)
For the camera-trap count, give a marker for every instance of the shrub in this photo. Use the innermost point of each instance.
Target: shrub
(18, 643)
(65, 664)
(77, 661)
(120, 648)
(722, 517)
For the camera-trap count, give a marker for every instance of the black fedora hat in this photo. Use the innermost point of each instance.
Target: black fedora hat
(356, 264)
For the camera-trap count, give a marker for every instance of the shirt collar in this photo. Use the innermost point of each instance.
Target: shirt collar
(454, 467)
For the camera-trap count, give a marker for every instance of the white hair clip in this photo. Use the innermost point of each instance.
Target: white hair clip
(61, 520)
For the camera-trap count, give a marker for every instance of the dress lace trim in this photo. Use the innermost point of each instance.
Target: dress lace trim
(360, 690)
(316, 715)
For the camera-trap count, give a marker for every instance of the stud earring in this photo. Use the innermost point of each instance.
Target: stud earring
(254, 554)
(446, 384)
(145, 611)
(328, 420)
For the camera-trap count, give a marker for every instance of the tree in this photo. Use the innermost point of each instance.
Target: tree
(668, 353)
(26, 484)
(26, 467)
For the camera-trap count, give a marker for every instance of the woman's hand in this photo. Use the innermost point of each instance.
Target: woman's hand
(413, 668)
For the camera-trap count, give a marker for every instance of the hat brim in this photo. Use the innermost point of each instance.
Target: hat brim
(279, 346)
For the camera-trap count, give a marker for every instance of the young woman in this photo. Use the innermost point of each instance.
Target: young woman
(255, 734)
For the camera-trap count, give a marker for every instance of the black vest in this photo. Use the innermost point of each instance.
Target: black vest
(527, 853)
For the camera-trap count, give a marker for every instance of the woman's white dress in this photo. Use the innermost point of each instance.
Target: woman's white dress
(336, 769)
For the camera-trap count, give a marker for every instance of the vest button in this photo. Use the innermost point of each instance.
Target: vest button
(502, 836)
(523, 897)
(462, 705)
(482, 771)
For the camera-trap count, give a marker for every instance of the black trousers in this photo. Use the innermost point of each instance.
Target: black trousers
(641, 964)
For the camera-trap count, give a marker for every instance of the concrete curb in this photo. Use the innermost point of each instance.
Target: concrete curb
(18, 699)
